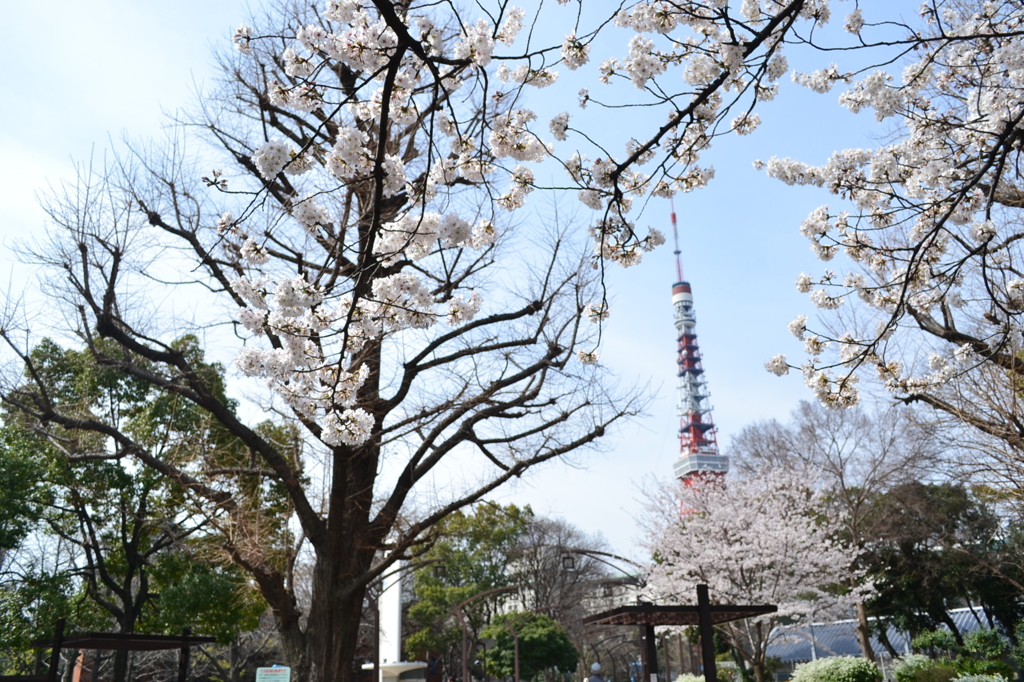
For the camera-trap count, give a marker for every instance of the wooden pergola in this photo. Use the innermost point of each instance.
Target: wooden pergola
(704, 614)
(111, 641)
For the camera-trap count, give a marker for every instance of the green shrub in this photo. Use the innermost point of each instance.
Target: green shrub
(981, 655)
(907, 667)
(940, 672)
(919, 668)
(838, 669)
(936, 642)
(984, 650)
(727, 671)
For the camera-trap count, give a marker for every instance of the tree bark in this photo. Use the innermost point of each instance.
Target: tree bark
(864, 632)
(883, 637)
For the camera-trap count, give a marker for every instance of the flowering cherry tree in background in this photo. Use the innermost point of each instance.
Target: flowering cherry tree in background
(855, 455)
(765, 539)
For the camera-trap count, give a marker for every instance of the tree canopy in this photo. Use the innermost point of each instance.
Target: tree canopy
(543, 644)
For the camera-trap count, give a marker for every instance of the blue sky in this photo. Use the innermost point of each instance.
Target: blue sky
(86, 73)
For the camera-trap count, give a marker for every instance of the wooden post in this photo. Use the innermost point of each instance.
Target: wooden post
(665, 651)
(707, 634)
(58, 641)
(184, 655)
(648, 654)
(684, 660)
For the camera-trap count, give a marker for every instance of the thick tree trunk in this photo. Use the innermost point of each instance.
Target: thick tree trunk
(864, 633)
(332, 634)
(342, 560)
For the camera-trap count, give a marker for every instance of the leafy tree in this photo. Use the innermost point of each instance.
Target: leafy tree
(471, 557)
(210, 598)
(979, 652)
(938, 546)
(558, 567)
(543, 644)
(495, 547)
(130, 565)
(29, 609)
(21, 495)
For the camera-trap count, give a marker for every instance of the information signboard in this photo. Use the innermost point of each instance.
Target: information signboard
(278, 673)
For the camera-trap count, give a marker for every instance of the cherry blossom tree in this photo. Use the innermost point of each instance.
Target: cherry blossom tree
(926, 225)
(765, 539)
(857, 455)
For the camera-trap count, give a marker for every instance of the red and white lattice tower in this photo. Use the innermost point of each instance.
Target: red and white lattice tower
(698, 444)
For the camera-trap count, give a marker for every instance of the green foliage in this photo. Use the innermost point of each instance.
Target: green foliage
(984, 650)
(938, 642)
(29, 609)
(727, 671)
(471, 556)
(131, 527)
(920, 668)
(21, 491)
(214, 599)
(940, 672)
(838, 669)
(543, 644)
(1017, 651)
(935, 544)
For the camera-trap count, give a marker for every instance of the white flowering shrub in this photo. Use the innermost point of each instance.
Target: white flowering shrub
(838, 669)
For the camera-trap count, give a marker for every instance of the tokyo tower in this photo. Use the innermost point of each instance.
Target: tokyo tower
(698, 444)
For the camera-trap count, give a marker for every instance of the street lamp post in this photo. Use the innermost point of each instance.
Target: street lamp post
(465, 628)
(638, 581)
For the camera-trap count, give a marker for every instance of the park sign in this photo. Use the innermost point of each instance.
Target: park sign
(278, 673)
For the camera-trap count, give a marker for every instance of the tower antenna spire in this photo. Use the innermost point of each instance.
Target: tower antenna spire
(675, 238)
(698, 442)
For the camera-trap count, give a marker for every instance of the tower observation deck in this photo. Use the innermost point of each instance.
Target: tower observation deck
(698, 444)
